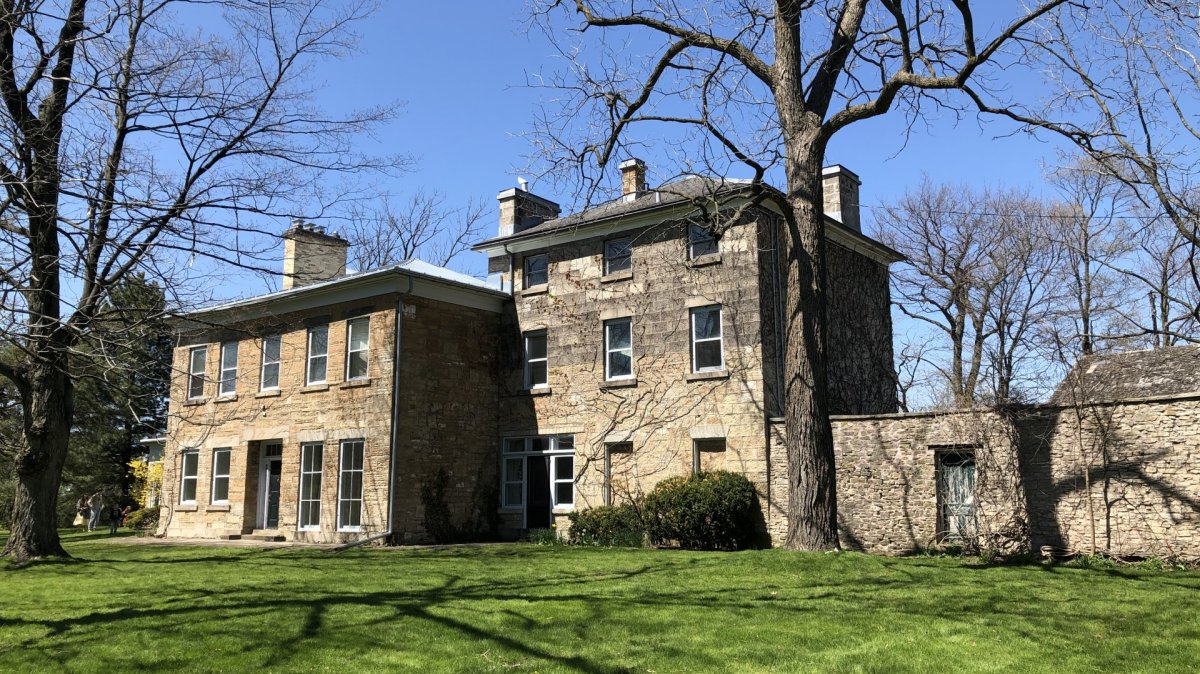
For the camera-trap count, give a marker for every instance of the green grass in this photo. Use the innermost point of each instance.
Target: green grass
(526, 608)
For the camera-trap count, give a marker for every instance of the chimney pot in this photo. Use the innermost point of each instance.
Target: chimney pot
(633, 178)
(839, 187)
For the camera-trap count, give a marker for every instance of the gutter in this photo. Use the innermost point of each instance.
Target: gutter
(394, 431)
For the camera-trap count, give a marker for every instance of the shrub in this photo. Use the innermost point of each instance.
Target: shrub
(705, 511)
(142, 520)
(544, 537)
(617, 526)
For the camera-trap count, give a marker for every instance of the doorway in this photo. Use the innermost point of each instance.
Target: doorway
(537, 493)
(270, 472)
(956, 496)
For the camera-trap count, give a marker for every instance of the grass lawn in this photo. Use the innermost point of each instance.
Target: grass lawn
(525, 608)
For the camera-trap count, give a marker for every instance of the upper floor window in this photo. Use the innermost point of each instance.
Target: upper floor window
(618, 348)
(269, 378)
(189, 471)
(318, 354)
(535, 359)
(708, 349)
(229, 360)
(618, 255)
(220, 475)
(197, 358)
(358, 341)
(536, 270)
(701, 242)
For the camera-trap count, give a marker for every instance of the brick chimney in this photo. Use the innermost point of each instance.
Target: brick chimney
(633, 178)
(521, 209)
(840, 187)
(311, 256)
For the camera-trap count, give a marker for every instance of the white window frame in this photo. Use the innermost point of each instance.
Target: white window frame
(551, 447)
(529, 384)
(365, 350)
(628, 258)
(228, 375)
(262, 371)
(324, 356)
(609, 350)
(507, 479)
(698, 235)
(306, 448)
(556, 479)
(342, 471)
(212, 489)
(184, 478)
(195, 376)
(720, 339)
(525, 276)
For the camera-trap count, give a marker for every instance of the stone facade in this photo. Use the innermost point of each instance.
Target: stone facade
(1126, 472)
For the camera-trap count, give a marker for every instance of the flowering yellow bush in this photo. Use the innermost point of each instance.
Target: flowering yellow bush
(147, 482)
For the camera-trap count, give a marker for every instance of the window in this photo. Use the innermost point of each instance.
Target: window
(358, 341)
(514, 481)
(189, 471)
(536, 270)
(229, 357)
(618, 255)
(197, 358)
(311, 455)
(350, 486)
(707, 343)
(220, 475)
(617, 457)
(708, 454)
(564, 480)
(535, 359)
(269, 378)
(618, 348)
(318, 354)
(701, 242)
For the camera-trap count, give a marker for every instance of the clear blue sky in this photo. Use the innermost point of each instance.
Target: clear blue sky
(460, 74)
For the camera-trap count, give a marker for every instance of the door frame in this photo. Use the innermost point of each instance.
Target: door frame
(264, 474)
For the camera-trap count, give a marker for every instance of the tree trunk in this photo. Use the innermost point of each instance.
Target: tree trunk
(49, 409)
(812, 501)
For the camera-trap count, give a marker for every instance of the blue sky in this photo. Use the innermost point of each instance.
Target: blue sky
(461, 81)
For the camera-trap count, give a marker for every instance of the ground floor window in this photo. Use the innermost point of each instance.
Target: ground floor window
(190, 472)
(708, 454)
(220, 475)
(311, 455)
(539, 476)
(956, 495)
(350, 486)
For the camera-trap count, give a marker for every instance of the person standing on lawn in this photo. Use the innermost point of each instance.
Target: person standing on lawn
(96, 504)
(81, 512)
(115, 515)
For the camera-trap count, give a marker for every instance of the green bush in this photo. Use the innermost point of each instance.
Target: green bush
(617, 526)
(145, 519)
(544, 537)
(705, 511)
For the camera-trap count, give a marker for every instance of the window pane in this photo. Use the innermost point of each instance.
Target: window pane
(707, 322)
(514, 470)
(701, 241)
(566, 442)
(708, 355)
(514, 445)
(619, 334)
(189, 489)
(191, 460)
(537, 373)
(359, 334)
(564, 493)
(198, 357)
(221, 489)
(270, 377)
(357, 365)
(229, 355)
(619, 364)
(538, 444)
(221, 461)
(535, 270)
(271, 349)
(513, 494)
(318, 341)
(535, 346)
(316, 369)
(564, 468)
(617, 255)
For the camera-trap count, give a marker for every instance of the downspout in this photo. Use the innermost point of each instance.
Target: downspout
(394, 432)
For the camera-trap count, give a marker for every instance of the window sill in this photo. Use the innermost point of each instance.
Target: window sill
(563, 510)
(356, 383)
(537, 391)
(185, 508)
(631, 382)
(231, 398)
(350, 530)
(193, 402)
(269, 393)
(705, 260)
(309, 530)
(217, 507)
(536, 290)
(313, 388)
(708, 376)
(617, 276)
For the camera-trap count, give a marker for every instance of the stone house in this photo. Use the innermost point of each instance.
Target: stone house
(607, 350)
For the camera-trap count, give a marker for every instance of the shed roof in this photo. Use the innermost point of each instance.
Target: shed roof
(1130, 375)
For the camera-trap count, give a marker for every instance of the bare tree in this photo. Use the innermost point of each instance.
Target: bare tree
(132, 137)
(423, 227)
(766, 85)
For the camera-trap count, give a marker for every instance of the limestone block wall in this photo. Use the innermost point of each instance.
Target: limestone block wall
(665, 407)
(293, 414)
